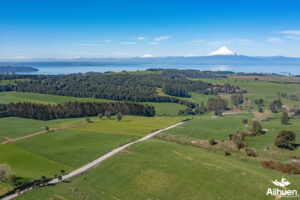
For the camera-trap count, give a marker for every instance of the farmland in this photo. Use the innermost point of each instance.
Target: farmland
(180, 163)
(165, 170)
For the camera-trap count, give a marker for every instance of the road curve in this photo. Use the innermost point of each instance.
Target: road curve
(97, 161)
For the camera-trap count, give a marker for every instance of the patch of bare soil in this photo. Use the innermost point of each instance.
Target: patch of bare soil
(126, 152)
(196, 142)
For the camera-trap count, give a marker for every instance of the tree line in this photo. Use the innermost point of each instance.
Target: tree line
(75, 109)
(115, 86)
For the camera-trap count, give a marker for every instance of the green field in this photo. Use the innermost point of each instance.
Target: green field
(14, 127)
(163, 170)
(273, 127)
(7, 97)
(205, 127)
(159, 168)
(262, 89)
(69, 148)
(48, 153)
(131, 125)
(13, 82)
(163, 109)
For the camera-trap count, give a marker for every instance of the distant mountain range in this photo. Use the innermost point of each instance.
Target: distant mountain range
(222, 56)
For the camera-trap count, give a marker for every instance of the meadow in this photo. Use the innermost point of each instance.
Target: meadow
(158, 169)
(205, 127)
(163, 109)
(77, 144)
(14, 127)
(261, 89)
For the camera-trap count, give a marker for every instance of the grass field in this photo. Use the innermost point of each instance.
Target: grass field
(273, 127)
(14, 127)
(262, 89)
(204, 127)
(14, 81)
(130, 125)
(7, 97)
(154, 169)
(157, 169)
(170, 109)
(46, 154)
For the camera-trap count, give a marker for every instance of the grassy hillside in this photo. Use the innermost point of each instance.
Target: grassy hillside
(46, 154)
(7, 97)
(262, 89)
(163, 170)
(14, 127)
(131, 125)
(204, 127)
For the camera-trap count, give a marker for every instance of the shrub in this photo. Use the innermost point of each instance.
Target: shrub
(284, 168)
(6, 174)
(119, 116)
(200, 110)
(46, 128)
(284, 118)
(250, 152)
(238, 140)
(227, 153)
(266, 115)
(218, 113)
(245, 121)
(275, 106)
(107, 114)
(285, 139)
(100, 116)
(256, 128)
(236, 99)
(216, 104)
(212, 141)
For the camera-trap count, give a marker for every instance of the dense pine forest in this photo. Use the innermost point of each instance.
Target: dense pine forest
(121, 86)
(74, 109)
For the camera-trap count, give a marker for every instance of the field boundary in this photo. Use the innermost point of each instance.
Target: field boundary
(93, 163)
(9, 140)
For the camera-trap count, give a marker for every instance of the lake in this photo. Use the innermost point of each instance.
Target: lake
(67, 69)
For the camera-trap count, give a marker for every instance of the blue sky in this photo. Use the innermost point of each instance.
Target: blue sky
(86, 28)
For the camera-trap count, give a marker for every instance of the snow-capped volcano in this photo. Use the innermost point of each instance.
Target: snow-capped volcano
(223, 51)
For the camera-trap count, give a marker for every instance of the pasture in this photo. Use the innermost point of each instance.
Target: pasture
(205, 127)
(69, 148)
(164, 109)
(262, 89)
(158, 169)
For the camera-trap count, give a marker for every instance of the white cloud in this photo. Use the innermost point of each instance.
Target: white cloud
(88, 44)
(141, 38)
(274, 40)
(128, 43)
(290, 32)
(220, 42)
(153, 43)
(147, 55)
(162, 38)
(244, 41)
(20, 57)
(107, 41)
(221, 68)
(190, 55)
(196, 42)
(293, 37)
(240, 41)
